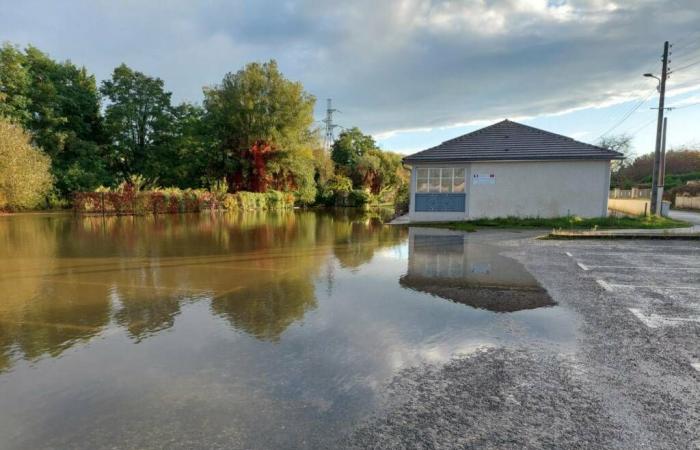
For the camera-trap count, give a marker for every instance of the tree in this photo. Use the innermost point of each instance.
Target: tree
(261, 123)
(357, 156)
(180, 159)
(682, 164)
(59, 104)
(350, 146)
(621, 143)
(25, 177)
(138, 120)
(14, 84)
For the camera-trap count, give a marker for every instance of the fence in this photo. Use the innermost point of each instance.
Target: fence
(687, 202)
(630, 193)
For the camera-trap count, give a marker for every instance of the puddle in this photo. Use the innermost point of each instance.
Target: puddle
(239, 331)
(449, 265)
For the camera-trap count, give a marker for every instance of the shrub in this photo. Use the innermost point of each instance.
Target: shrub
(336, 191)
(359, 197)
(125, 200)
(231, 202)
(25, 176)
(220, 190)
(401, 201)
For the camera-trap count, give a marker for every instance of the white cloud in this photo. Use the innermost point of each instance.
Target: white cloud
(389, 66)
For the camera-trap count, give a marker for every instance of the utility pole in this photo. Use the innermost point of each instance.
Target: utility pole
(662, 170)
(329, 138)
(655, 200)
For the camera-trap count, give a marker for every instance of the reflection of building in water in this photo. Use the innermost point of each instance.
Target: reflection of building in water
(446, 264)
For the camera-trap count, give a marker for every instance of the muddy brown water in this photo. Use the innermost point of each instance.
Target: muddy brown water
(270, 330)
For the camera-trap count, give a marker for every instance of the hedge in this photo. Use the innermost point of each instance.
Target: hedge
(126, 201)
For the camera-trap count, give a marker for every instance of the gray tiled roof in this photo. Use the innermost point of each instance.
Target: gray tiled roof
(512, 141)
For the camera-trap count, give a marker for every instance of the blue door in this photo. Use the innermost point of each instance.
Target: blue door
(440, 202)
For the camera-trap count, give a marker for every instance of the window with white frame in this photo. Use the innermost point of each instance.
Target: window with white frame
(439, 180)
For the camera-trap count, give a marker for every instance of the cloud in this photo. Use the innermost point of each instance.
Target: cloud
(400, 65)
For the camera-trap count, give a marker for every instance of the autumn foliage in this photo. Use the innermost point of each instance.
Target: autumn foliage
(25, 177)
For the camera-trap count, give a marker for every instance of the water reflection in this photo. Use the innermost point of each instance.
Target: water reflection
(449, 265)
(71, 278)
(234, 331)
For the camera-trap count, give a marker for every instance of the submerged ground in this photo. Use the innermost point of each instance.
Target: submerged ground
(632, 380)
(320, 330)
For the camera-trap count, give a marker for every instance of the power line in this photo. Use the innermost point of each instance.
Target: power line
(686, 66)
(638, 129)
(629, 113)
(683, 106)
(692, 39)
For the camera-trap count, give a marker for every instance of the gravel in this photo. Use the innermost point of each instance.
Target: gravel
(624, 385)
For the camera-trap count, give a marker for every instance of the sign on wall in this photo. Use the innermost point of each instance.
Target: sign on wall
(484, 178)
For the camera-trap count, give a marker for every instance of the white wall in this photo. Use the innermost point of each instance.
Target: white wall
(530, 189)
(541, 189)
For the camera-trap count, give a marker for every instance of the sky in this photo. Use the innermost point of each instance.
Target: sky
(412, 73)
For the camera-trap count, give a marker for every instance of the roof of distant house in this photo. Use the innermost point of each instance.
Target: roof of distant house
(512, 141)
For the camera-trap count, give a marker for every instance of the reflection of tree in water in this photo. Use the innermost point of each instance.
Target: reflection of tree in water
(265, 310)
(356, 242)
(61, 273)
(39, 317)
(143, 315)
(52, 321)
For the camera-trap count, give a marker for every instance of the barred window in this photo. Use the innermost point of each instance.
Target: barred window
(440, 180)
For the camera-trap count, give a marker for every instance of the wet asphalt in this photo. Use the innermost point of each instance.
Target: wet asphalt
(632, 381)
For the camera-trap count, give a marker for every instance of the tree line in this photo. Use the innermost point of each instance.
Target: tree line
(254, 130)
(682, 166)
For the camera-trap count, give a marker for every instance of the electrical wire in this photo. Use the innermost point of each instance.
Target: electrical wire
(638, 129)
(686, 66)
(692, 39)
(628, 114)
(683, 106)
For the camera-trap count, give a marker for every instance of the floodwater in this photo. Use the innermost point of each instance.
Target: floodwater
(238, 331)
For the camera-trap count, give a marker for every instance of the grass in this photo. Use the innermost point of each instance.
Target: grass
(564, 223)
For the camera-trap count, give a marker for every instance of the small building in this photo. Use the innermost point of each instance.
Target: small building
(509, 169)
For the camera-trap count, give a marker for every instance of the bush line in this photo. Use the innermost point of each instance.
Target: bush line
(172, 201)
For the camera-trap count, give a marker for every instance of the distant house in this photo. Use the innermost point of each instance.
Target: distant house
(509, 169)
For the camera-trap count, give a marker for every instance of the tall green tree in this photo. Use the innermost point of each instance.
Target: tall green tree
(58, 103)
(262, 126)
(183, 160)
(350, 146)
(138, 120)
(358, 157)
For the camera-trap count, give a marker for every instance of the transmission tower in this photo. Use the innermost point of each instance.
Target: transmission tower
(330, 126)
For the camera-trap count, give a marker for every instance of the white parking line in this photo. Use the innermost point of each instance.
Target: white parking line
(604, 285)
(569, 254)
(589, 267)
(653, 286)
(656, 321)
(695, 365)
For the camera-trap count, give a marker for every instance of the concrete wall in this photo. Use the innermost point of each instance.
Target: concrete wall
(541, 189)
(687, 202)
(529, 189)
(631, 206)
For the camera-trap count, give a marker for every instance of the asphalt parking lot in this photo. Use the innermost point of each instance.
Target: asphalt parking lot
(631, 382)
(658, 282)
